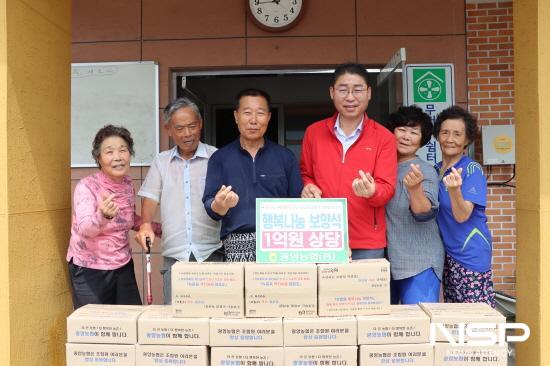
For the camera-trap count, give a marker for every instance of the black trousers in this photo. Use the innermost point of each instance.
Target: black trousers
(95, 286)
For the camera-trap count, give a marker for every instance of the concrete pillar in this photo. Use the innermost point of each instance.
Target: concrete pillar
(35, 56)
(532, 110)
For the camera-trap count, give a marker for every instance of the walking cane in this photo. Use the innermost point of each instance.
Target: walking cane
(148, 261)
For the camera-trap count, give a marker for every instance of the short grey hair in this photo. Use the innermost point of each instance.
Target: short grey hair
(177, 104)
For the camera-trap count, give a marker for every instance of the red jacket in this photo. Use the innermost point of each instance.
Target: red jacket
(374, 151)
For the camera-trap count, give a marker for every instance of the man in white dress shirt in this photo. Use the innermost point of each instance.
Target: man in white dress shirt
(176, 181)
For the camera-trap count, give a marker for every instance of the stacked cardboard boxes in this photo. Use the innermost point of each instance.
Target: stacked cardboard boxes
(208, 289)
(400, 337)
(164, 339)
(154, 355)
(102, 335)
(217, 290)
(273, 290)
(452, 319)
(330, 341)
(135, 336)
(246, 356)
(250, 332)
(206, 325)
(276, 291)
(357, 288)
(447, 354)
(453, 326)
(157, 325)
(86, 354)
(321, 356)
(322, 331)
(404, 324)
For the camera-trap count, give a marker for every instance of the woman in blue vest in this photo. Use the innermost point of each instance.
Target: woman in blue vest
(467, 276)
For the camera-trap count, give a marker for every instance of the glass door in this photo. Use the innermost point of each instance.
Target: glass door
(390, 83)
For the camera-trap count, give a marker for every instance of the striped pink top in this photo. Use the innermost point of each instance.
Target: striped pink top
(97, 242)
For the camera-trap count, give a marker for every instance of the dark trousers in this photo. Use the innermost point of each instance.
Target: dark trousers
(95, 286)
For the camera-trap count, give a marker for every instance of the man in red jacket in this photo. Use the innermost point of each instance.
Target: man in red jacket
(352, 156)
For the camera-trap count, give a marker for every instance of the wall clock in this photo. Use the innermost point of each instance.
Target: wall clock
(275, 15)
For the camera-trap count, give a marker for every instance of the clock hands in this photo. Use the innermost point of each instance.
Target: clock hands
(268, 2)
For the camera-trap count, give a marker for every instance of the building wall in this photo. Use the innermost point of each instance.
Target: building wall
(532, 106)
(475, 36)
(5, 351)
(490, 68)
(35, 193)
(218, 34)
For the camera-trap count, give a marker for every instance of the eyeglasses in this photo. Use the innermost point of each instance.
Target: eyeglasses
(356, 92)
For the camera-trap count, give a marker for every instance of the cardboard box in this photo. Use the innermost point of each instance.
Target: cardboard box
(115, 324)
(356, 288)
(455, 317)
(479, 307)
(447, 354)
(368, 274)
(157, 325)
(84, 354)
(273, 290)
(321, 356)
(247, 356)
(251, 332)
(154, 355)
(396, 354)
(404, 324)
(327, 331)
(208, 289)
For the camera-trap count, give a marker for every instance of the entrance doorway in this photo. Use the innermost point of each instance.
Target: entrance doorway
(298, 98)
(225, 131)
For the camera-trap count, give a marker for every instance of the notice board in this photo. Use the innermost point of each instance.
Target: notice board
(118, 93)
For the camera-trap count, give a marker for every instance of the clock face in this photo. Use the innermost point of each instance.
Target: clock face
(275, 14)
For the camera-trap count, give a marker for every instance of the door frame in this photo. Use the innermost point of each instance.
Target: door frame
(209, 132)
